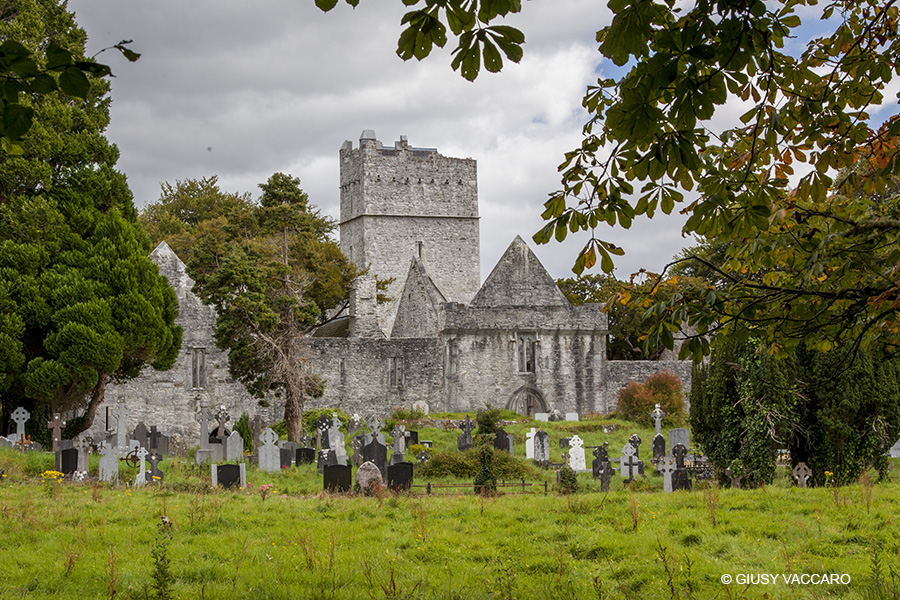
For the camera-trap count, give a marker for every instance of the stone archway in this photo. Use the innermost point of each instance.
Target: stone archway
(527, 401)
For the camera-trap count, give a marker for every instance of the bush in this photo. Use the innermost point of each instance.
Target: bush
(638, 400)
(242, 426)
(487, 420)
(485, 480)
(408, 417)
(465, 465)
(568, 480)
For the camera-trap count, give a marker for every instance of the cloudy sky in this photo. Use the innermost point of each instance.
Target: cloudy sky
(243, 89)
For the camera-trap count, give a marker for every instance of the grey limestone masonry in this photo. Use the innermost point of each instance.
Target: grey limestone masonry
(442, 342)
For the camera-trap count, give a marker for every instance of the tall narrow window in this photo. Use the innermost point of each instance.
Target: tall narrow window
(343, 370)
(395, 371)
(526, 353)
(198, 368)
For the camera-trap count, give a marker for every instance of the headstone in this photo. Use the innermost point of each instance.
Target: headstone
(141, 477)
(606, 474)
(323, 424)
(628, 464)
(423, 457)
(400, 476)
(109, 463)
(356, 445)
(680, 436)
(376, 452)
(222, 418)
(667, 467)
(229, 476)
(68, 460)
(576, 454)
(412, 438)
(141, 434)
(157, 441)
(20, 416)
(286, 456)
(510, 442)
(541, 447)
(801, 474)
(399, 446)
(894, 452)
(542, 417)
(465, 441)
(735, 481)
(55, 425)
(177, 445)
(367, 477)
(234, 447)
(355, 425)
(84, 454)
(635, 440)
(335, 437)
(529, 443)
(269, 459)
(564, 443)
(337, 478)
(658, 445)
(555, 415)
(120, 413)
(155, 473)
(571, 416)
(501, 440)
(204, 453)
(375, 424)
(305, 456)
(657, 415)
(681, 479)
(601, 456)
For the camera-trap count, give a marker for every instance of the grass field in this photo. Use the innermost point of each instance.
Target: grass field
(61, 540)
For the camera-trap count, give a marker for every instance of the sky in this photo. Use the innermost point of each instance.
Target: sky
(243, 89)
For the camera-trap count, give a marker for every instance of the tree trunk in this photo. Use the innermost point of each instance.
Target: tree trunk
(84, 422)
(293, 413)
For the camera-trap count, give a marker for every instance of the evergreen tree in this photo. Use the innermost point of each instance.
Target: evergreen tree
(81, 302)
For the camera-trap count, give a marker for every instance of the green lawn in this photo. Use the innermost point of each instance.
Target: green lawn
(97, 541)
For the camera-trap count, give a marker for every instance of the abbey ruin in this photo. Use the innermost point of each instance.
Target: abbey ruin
(443, 343)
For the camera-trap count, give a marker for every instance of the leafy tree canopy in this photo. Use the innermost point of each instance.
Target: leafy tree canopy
(81, 301)
(801, 187)
(270, 270)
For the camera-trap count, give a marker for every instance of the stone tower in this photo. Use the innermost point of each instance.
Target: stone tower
(402, 203)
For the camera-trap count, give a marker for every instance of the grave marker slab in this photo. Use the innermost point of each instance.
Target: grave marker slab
(400, 476)
(368, 477)
(269, 458)
(801, 474)
(529, 443)
(576, 454)
(680, 436)
(305, 456)
(541, 447)
(229, 476)
(337, 479)
(465, 441)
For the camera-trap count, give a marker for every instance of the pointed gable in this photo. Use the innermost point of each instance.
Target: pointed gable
(519, 279)
(418, 309)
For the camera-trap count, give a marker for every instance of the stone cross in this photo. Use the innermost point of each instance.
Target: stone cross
(667, 466)
(601, 453)
(658, 415)
(120, 413)
(84, 453)
(376, 424)
(576, 454)
(801, 474)
(204, 416)
(19, 417)
(635, 441)
(399, 439)
(56, 424)
(153, 438)
(23, 442)
(141, 478)
(606, 474)
(222, 417)
(735, 481)
(464, 441)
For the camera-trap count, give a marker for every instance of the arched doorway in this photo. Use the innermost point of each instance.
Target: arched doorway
(527, 401)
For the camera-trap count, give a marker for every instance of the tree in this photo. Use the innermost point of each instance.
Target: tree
(802, 188)
(271, 273)
(81, 301)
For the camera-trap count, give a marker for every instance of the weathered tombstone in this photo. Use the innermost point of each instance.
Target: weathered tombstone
(894, 451)
(576, 454)
(222, 417)
(229, 476)
(658, 446)
(269, 459)
(109, 463)
(571, 416)
(635, 440)
(68, 460)
(177, 445)
(400, 476)
(234, 447)
(564, 443)
(657, 415)
(667, 467)
(305, 456)
(510, 442)
(337, 478)
(376, 452)
(681, 479)
(336, 438)
(399, 443)
(628, 464)
(141, 434)
(680, 436)
(205, 452)
(20, 416)
(155, 473)
(368, 477)
(84, 454)
(324, 456)
(412, 438)
(542, 417)
(601, 455)
(801, 474)
(465, 441)
(55, 425)
(375, 424)
(257, 424)
(423, 457)
(120, 413)
(356, 445)
(421, 406)
(501, 440)
(157, 441)
(555, 415)
(541, 447)
(606, 474)
(141, 477)
(286, 456)
(323, 424)
(529, 443)
(735, 481)
(355, 425)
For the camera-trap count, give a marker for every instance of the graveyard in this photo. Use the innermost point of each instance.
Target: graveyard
(278, 522)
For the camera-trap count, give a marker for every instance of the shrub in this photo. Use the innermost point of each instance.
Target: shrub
(487, 420)
(485, 480)
(567, 480)
(465, 465)
(242, 426)
(409, 417)
(638, 400)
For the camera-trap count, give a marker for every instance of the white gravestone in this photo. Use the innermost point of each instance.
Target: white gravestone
(269, 453)
(576, 454)
(529, 443)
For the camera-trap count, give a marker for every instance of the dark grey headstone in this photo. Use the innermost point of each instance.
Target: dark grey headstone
(142, 435)
(564, 443)
(155, 474)
(541, 446)
(376, 452)
(229, 476)
(305, 456)
(68, 461)
(501, 440)
(287, 456)
(400, 476)
(412, 437)
(337, 478)
(605, 474)
(659, 446)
